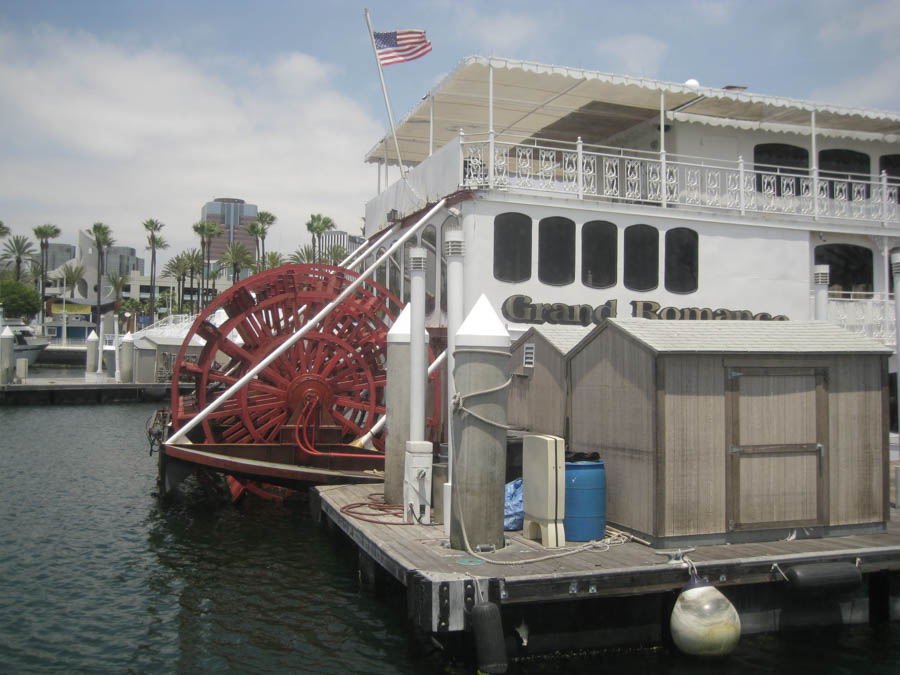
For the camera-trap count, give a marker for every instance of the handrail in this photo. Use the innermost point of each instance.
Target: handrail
(253, 372)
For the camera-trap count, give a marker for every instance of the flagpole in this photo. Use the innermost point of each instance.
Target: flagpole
(387, 103)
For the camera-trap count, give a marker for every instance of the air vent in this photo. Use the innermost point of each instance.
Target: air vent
(821, 275)
(528, 360)
(418, 259)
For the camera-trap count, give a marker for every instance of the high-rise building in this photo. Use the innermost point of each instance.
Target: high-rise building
(59, 254)
(234, 216)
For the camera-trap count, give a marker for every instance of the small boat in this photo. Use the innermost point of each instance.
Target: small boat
(27, 345)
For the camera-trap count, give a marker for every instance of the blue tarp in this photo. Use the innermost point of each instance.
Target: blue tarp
(514, 510)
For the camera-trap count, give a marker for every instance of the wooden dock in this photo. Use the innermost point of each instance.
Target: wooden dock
(63, 390)
(620, 594)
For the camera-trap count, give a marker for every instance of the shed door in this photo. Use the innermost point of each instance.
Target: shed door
(776, 432)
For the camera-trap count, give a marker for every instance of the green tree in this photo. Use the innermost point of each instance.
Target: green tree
(103, 239)
(273, 259)
(154, 241)
(206, 231)
(257, 229)
(237, 257)
(4, 230)
(19, 300)
(117, 282)
(335, 254)
(303, 254)
(195, 267)
(178, 268)
(17, 249)
(44, 233)
(265, 219)
(317, 225)
(72, 275)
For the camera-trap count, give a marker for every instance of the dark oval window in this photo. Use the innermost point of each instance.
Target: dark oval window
(512, 247)
(556, 251)
(849, 267)
(641, 258)
(681, 260)
(598, 254)
(777, 162)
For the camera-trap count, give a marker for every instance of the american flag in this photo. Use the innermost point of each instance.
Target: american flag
(401, 45)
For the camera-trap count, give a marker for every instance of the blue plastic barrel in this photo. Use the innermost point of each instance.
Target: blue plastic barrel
(585, 501)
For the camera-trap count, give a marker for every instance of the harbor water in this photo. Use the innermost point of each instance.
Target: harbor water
(98, 577)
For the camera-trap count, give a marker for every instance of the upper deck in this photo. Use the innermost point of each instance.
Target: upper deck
(601, 139)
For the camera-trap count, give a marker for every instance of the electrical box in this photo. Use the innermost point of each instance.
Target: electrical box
(544, 489)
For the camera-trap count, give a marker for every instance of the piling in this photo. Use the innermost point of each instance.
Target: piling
(7, 351)
(127, 372)
(90, 348)
(481, 376)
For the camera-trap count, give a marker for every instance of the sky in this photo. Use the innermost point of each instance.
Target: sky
(120, 110)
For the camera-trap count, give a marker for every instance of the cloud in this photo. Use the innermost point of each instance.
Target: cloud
(848, 21)
(877, 87)
(502, 34)
(94, 131)
(714, 12)
(631, 54)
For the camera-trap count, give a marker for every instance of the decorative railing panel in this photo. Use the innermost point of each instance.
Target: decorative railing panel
(872, 315)
(673, 181)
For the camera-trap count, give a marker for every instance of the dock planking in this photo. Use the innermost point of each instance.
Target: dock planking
(419, 556)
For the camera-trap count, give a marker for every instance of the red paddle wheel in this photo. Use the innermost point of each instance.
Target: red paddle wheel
(309, 404)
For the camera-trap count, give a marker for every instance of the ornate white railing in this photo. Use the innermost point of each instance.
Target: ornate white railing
(869, 314)
(659, 179)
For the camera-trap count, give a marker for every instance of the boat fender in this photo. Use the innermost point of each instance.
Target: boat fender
(490, 647)
(703, 621)
(831, 577)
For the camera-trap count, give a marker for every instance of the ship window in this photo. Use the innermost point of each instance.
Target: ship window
(512, 247)
(681, 260)
(890, 164)
(845, 172)
(849, 267)
(641, 258)
(598, 254)
(556, 251)
(775, 163)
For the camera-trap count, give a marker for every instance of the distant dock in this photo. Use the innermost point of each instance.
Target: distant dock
(79, 390)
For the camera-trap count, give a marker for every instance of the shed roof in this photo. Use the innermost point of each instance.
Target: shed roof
(753, 337)
(562, 338)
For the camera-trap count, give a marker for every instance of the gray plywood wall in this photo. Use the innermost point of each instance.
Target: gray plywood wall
(537, 395)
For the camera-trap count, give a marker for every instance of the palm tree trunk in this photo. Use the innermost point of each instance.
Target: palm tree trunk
(152, 285)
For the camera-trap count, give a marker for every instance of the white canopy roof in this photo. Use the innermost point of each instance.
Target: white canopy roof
(555, 102)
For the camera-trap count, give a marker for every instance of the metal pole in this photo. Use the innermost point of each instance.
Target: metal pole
(233, 389)
(387, 103)
(490, 125)
(662, 150)
(815, 164)
(895, 270)
(418, 261)
(454, 251)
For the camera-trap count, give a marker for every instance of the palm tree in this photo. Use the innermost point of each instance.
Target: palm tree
(17, 249)
(178, 268)
(72, 275)
(304, 254)
(4, 230)
(257, 229)
(335, 254)
(117, 282)
(200, 230)
(237, 257)
(194, 259)
(44, 234)
(265, 219)
(206, 231)
(273, 259)
(103, 239)
(317, 225)
(154, 241)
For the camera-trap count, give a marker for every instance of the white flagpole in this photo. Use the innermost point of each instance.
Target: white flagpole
(387, 103)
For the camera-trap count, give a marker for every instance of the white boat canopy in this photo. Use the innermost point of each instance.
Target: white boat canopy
(527, 100)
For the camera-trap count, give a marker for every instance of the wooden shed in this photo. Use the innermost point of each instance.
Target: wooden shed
(716, 431)
(537, 393)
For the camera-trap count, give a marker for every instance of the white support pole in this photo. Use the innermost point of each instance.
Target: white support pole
(815, 164)
(116, 342)
(100, 341)
(490, 125)
(662, 150)
(431, 126)
(287, 344)
(418, 261)
(895, 270)
(454, 251)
